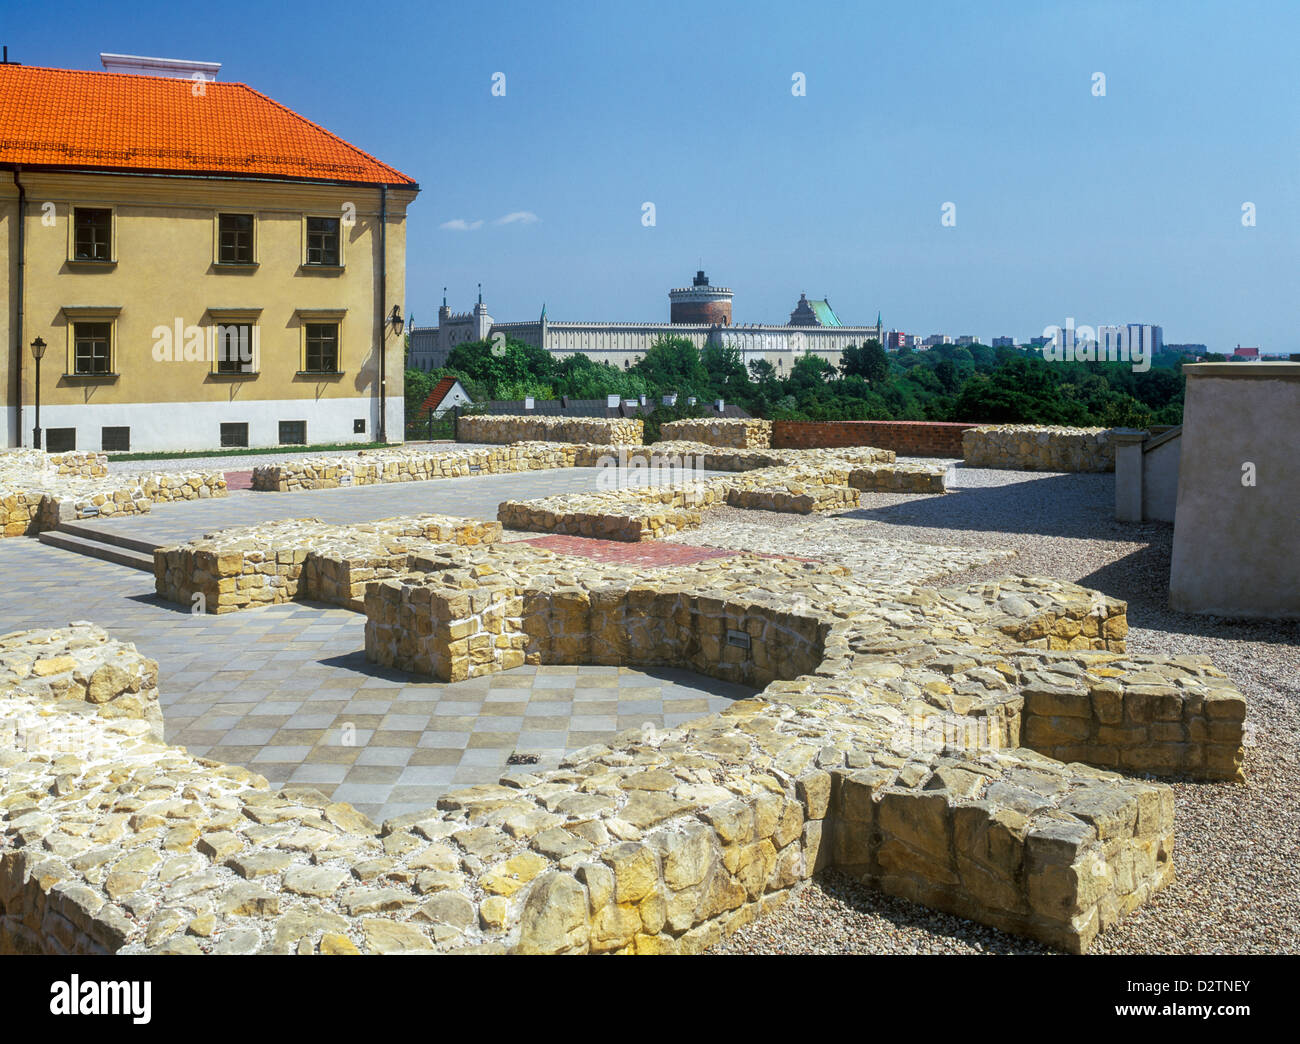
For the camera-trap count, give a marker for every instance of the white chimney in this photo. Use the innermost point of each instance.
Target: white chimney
(179, 68)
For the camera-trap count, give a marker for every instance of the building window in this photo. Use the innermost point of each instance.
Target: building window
(323, 241)
(92, 234)
(235, 239)
(234, 434)
(233, 351)
(115, 440)
(92, 345)
(60, 440)
(293, 433)
(322, 348)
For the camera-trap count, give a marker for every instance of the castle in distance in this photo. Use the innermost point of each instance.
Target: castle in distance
(701, 313)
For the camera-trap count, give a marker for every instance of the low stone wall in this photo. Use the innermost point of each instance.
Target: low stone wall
(737, 433)
(603, 431)
(649, 513)
(899, 478)
(38, 490)
(370, 467)
(797, 495)
(909, 438)
(82, 664)
(1186, 720)
(276, 562)
(20, 511)
(821, 481)
(80, 465)
(1027, 447)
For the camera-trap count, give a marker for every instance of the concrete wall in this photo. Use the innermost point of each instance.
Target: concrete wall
(1238, 516)
(1160, 457)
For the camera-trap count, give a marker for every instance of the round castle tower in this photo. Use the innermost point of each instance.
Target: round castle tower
(700, 303)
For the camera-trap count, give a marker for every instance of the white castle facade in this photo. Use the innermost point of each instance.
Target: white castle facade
(701, 314)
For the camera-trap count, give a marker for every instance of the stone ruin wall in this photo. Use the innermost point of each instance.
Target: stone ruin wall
(799, 481)
(1027, 447)
(370, 467)
(734, 433)
(276, 562)
(38, 490)
(607, 431)
(646, 845)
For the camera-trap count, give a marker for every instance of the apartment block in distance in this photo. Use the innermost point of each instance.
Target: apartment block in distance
(205, 267)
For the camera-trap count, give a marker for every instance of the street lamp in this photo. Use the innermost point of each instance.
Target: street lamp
(38, 353)
(396, 321)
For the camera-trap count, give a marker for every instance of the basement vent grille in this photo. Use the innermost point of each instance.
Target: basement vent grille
(738, 638)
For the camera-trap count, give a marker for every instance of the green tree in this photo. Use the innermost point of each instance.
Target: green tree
(493, 367)
(870, 362)
(948, 377)
(674, 364)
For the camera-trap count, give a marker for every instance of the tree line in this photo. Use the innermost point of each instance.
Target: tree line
(973, 383)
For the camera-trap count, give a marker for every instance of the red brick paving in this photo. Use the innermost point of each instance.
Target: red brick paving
(649, 555)
(239, 480)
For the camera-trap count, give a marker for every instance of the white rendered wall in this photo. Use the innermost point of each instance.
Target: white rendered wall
(1237, 527)
(197, 425)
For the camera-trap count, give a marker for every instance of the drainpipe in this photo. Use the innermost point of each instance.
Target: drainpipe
(18, 283)
(383, 311)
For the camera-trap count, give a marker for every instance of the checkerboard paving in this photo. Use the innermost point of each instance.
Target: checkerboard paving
(286, 690)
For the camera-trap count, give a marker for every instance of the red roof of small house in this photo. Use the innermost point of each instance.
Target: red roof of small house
(1246, 353)
(440, 392)
(70, 118)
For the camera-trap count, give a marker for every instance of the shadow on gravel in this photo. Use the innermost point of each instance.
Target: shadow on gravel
(1045, 504)
(910, 917)
(1142, 580)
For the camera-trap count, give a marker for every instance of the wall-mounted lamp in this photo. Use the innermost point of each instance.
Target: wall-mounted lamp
(396, 321)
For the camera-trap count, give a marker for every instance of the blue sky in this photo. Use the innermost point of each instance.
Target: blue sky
(1122, 208)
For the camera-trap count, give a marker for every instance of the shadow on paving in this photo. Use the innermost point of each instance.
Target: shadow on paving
(357, 663)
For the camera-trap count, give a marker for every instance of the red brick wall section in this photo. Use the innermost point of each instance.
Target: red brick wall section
(906, 438)
(700, 312)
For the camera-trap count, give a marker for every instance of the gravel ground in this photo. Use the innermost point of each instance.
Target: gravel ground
(1237, 888)
(245, 463)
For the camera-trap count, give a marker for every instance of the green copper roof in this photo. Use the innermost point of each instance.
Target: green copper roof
(825, 314)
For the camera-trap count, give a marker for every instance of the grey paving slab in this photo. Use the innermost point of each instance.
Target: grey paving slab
(287, 690)
(474, 496)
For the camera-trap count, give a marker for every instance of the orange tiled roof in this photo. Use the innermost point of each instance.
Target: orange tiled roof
(123, 122)
(439, 393)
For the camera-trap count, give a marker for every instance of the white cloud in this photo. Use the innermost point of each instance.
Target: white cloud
(522, 217)
(461, 225)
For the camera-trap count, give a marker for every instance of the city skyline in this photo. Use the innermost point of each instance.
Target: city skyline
(1123, 206)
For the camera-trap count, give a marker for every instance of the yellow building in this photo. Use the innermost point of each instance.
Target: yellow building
(205, 267)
